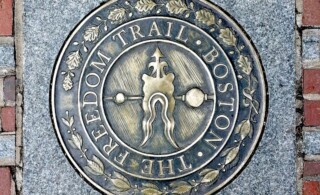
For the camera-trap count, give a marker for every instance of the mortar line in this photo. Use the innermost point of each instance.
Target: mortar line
(6, 40)
(19, 42)
(299, 95)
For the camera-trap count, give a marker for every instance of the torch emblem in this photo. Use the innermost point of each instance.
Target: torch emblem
(158, 88)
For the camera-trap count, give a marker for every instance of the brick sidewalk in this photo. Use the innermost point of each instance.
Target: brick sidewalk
(308, 26)
(10, 166)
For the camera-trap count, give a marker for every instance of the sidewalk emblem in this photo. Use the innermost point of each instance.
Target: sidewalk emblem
(153, 97)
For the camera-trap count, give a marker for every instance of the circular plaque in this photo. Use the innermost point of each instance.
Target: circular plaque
(158, 97)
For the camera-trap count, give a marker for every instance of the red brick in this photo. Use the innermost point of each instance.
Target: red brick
(311, 169)
(9, 88)
(311, 188)
(311, 81)
(5, 181)
(6, 17)
(8, 119)
(311, 13)
(311, 113)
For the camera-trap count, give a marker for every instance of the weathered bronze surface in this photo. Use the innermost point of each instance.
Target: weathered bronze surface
(158, 97)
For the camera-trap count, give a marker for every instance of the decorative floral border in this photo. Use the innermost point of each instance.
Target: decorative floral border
(243, 131)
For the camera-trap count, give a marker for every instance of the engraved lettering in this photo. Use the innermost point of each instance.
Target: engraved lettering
(184, 166)
(179, 37)
(103, 62)
(108, 148)
(135, 30)
(169, 29)
(121, 158)
(99, 133)
(169, 167)
(220, 71)
(211, 56)
(119, 35)
(231, 104)
(95, 116)
(222, 122)
(215, 138)
(92, 80)
(90, 98)
(147, 169)
(225, 87)
(154, 28)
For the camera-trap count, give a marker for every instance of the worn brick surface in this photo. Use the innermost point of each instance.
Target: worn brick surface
(8, 119)
(311, 13)
(311, 188)
(5, 180)
(9, 88)
(312, 113)
(311, 81)
(6, 17)
(311, 169)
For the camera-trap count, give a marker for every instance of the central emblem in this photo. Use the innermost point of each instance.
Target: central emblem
(153, 97)
(158, 88)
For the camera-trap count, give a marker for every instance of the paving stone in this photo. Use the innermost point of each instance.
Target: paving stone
(311, 14)
(6, 56)
(6, 17)
(311, 80)
(311, 141)
(9, 88)
(311, 113)
(311, 48)
(270, 24)
(8, 119)
(311, 188)
(7, 148)
(5, 181)
(311, 169)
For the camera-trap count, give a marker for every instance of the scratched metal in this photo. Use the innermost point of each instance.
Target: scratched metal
(158, 97)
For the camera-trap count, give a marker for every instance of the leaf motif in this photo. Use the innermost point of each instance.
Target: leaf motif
(119, 176)
(67, 83)
(66, 122)
(176, 7)
(74, 60)
(148, 191)
(150, 185)
(96, 165)
(98, 161)
(72, 144)
(228, 37)
(77, 140)
(205, 17)
(225, 152)
(145, 5)
(89, 170)
(232, 155)
(117, 15)
(254, 82)
(182, 189)
(210, 176)
(71, 121)
(121, 185)
(91, 33)
(245, 129)
(205, 171)
(178, 183)
(245, 64)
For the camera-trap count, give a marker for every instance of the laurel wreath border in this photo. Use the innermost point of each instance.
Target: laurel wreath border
(244, 130)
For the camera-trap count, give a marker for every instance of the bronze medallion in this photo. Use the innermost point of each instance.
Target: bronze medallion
(158, 97)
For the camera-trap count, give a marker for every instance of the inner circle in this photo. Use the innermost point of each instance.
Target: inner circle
(135, 93)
